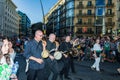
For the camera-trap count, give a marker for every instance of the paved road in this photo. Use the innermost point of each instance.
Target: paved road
(84, 72)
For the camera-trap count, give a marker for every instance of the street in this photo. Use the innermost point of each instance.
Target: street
(84, 72)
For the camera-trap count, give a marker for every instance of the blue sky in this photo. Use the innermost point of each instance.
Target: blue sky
(33, 9)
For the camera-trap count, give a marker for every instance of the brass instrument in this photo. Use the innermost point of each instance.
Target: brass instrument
(45, 53)
(73, 52)
(57, 44)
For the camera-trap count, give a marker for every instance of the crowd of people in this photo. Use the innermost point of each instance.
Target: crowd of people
(29, 52)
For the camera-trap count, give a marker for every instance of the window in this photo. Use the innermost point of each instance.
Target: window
(100, 11)
(70, 13)
(109, 2)
(100, 2)
(89, 12)
(80, 21)
(80, 3)
(118, 19)
(79, 30)
(119, 9)
(89, 30)
(89, 3)
(67, 22)
(84, 29)
(70, 5)
(109, 19)
(99, 21)
(89, 21)
(109, 11)
(80, 12)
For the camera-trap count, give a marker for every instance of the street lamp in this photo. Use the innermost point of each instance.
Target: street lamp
(44, 26)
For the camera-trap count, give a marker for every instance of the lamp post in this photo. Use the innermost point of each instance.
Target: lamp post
(44, 25)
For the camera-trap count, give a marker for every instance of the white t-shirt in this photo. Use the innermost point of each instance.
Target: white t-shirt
(97, 47)
(12, 55)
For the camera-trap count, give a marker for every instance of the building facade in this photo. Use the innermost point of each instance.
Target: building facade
(9, 19)
(118, 16)
(25, 24)
(53, 18)
(84, 17)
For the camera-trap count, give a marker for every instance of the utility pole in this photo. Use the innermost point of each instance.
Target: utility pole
(44, 25)
(71, 26)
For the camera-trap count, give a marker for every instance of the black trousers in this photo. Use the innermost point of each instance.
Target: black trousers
(51, 66)
(66, 68)
(72, 65)
(35, 74)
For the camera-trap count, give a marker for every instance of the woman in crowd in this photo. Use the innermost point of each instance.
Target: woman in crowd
(97, 51)
(6, 62)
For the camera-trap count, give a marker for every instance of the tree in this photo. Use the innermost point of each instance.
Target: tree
(36, 26)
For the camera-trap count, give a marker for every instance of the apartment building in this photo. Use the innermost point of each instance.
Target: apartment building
(84, 17)
(9, 19)
(24, 23)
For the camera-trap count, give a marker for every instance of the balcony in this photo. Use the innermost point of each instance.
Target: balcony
(110, 5)
(85, 24)
(80, 6)
(62, 11)
(90, 6)
(62, 19)
(110, 23)
(110, 15)
(85, 15)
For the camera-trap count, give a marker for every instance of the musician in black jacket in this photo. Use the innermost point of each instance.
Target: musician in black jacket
(64, 47)
(51, 63)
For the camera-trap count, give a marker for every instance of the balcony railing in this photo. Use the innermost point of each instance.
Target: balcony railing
(80, 6)
(90, 6)
(110, 15)
(110, 5)
(85, 24)
(85, 15)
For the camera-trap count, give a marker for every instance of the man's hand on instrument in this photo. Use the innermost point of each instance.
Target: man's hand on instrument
(44, 44)
(65, 55)
(51, 57)
(57, 44)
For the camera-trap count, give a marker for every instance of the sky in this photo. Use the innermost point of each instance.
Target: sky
(32, 8)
